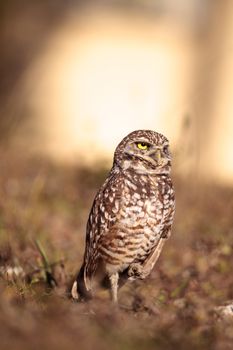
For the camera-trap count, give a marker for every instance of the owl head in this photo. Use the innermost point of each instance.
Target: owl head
(145, 152)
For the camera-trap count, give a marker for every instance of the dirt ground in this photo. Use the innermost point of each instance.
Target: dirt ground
(43, 212)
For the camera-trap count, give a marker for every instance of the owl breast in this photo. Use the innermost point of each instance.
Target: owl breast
(142, 213)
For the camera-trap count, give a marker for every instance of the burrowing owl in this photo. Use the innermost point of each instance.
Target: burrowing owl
(131, 216)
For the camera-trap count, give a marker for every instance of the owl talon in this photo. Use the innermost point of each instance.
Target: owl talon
(135, 270)
(74, 291)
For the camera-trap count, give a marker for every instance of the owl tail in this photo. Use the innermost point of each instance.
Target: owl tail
(81, 289)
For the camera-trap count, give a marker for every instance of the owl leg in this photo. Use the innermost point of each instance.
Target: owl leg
(114, 286)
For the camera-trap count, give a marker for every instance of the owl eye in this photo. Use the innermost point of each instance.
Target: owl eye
(142, 145)
(165, 149)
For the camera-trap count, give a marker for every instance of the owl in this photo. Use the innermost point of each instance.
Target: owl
(131, 217)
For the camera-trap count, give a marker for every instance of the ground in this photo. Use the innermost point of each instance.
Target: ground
(43, 212)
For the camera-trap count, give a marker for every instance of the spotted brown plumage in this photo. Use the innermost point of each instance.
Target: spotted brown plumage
(131, 216)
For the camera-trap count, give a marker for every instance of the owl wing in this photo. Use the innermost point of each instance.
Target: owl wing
(143, 270)
(101, 222)
(151, 260)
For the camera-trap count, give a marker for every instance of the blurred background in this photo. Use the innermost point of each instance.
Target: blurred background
(77, 76)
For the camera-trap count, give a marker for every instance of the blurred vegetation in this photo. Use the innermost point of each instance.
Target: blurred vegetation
(43, 212)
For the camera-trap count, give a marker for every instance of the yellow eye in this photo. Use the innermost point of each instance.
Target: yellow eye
(142, 145)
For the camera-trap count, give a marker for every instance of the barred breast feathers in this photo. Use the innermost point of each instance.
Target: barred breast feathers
(124, 202)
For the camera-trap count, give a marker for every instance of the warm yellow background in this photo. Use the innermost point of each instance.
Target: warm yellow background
(105, 72)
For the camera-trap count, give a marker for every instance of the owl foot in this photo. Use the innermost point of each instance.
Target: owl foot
(135, 270)
(74, 291)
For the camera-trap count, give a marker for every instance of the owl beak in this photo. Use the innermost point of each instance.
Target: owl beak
(158, 156)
